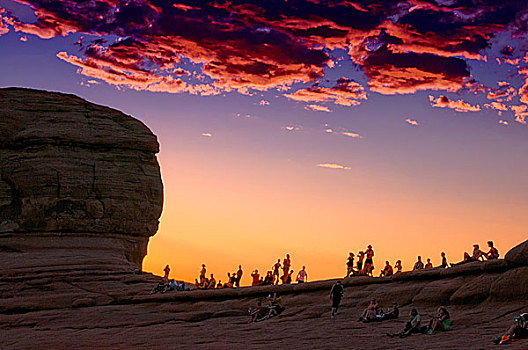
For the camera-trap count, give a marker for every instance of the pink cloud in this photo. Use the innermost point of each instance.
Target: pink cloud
(459, 105)
(412, 122)
(345, 92)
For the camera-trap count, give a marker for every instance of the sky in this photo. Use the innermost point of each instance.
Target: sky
(306, 127)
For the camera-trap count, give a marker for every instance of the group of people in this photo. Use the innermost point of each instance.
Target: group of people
(366, 269)
(273, 276)
(233, 279)
(272, 308)
(360, 269)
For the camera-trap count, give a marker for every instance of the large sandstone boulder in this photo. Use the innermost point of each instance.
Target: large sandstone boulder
(79, 183)
(518, 255)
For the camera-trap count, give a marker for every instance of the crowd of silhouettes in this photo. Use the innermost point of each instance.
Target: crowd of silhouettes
(281, 272)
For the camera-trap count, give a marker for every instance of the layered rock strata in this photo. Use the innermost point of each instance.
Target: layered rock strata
(80, 186)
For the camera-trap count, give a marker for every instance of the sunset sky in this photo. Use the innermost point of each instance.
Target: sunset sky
(307, 127)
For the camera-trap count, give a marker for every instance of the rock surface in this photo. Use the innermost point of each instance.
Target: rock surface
(80, 193)
(79, 183)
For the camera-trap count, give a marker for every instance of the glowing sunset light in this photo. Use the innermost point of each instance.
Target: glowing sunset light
(306, 127)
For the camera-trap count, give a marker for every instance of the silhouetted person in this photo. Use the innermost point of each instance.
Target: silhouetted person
(412, 326)
(493, 253)
(239, 275)
(202, 273)
(398, 266)
(302, 276)
(467, 259)
(387, 270)
(276, 269)
(361, 256)
(212, 282)
(286, 263)
(336, 293)
(289, 277)
(429, 264)
(167, 271)
(477, 253)
(419, 265)
(369, 262)
(444, 264)
(256, 277)
(350, 264)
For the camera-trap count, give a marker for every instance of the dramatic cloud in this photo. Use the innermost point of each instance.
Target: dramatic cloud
(459, 105)
(317, 108)
(346, 92)
(213, 46)
(333, 166)
(412, 122)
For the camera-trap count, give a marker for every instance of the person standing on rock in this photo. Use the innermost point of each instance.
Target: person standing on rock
(167, 271)
(202, 274)
(239, 275)
(361, 255)
(276, 269)
(256, 278)
(369, 262)
(302, 276)
(285, 267)
(419, 265)
(336, 293)
(350, 264)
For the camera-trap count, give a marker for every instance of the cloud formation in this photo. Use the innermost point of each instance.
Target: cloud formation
(412, 122)
(458, 105)
(345, 92)
(333, 166)
(215, 46)
(317, 108)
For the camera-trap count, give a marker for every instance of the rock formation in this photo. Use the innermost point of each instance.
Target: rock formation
(80, 194)
(80, 185)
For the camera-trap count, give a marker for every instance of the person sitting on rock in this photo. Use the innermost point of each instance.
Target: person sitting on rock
(160, 287)
(371, 312)
(518, 330)
(391, 314)
(261, 281)
(212, 283)
(275, 306)
(361, 256)
(412, 326)
(398, 266)
(350, 264)
(219, 285)
(269, 278)
(228, 284)
(441, 322)
(256, 278)
(429, 264)
(419, 265)
(233, 279)
(467, 259)
(259, 313)
(477, 253)
(493, 253)
(387, 270)
(444, 264)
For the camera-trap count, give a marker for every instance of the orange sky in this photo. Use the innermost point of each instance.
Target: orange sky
(229, 207)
